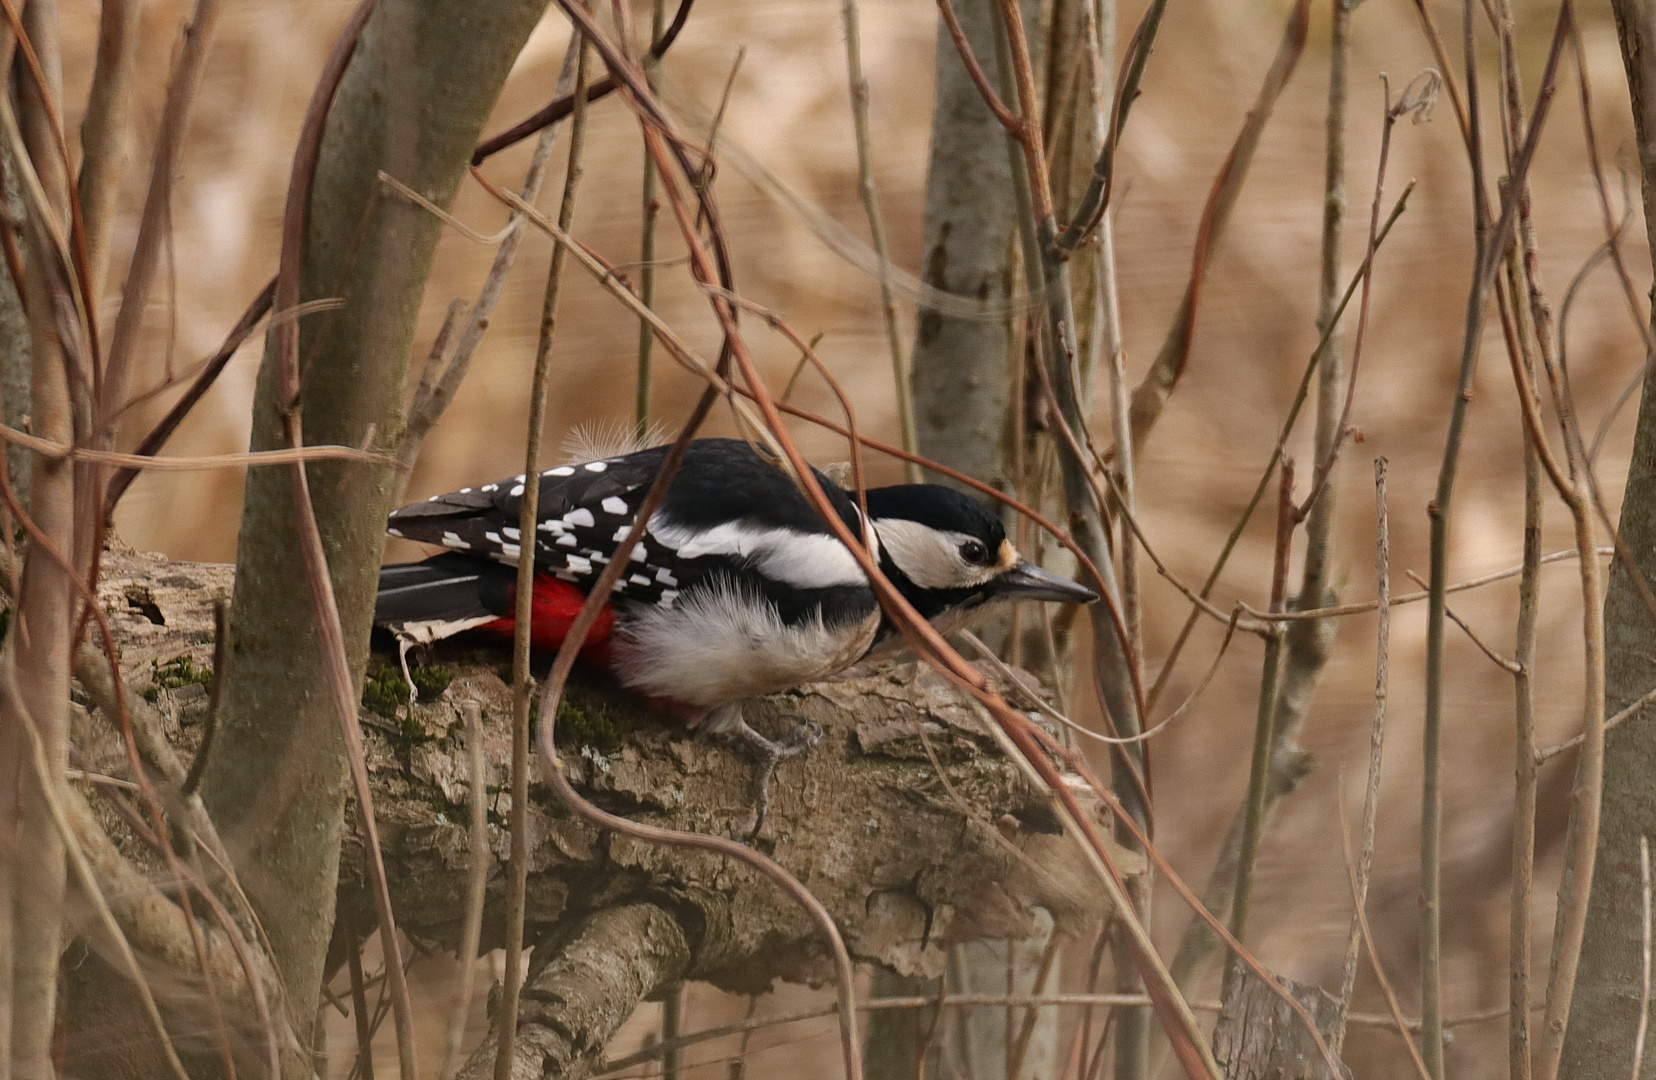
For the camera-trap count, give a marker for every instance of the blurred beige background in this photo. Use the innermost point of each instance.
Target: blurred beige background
(1255, 328)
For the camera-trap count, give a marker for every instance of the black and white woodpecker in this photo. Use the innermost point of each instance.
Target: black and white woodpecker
(735, 589)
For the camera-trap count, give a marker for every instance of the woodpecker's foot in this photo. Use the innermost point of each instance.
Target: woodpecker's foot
(768, 754)
(403, 645)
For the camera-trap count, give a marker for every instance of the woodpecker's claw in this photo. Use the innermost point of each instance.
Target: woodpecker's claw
(768, 754)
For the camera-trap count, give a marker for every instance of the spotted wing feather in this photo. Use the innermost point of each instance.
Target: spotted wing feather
(586, 510)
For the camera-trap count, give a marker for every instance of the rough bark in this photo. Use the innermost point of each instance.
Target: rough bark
(15, 381)
(422, 82)
(1258, 1037)
(907, 861)
(962, 368)
(584, 990)
(34, 664)
(1605, 1009)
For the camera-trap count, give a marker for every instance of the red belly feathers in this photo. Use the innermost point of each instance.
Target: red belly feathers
(552, 611)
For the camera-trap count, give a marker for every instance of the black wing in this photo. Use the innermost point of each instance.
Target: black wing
(586, 510)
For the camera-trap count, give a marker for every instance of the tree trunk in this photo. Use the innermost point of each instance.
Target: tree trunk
(423, 81)
(1605, 1009)
(962, 374)
(963, 366)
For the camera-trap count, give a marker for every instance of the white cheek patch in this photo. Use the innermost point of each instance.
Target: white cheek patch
(929, 557)
(804, 560)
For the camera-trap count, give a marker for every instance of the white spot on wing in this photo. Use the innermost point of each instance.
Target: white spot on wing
(614, 505)
(622, 533)
(580, 517)
(510, 533)
(665, 576)
(452, 540)
(566, 540)
(595, 466)
(517, 489)
(638, 579)
(561, 470)
(490, 487)
(639, 554)
(394, 532)
(510, 551)
(578, 564)
(492, 537)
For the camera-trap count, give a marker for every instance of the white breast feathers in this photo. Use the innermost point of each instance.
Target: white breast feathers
(722, 643)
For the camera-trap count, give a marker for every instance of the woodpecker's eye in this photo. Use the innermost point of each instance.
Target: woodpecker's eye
(975, 553)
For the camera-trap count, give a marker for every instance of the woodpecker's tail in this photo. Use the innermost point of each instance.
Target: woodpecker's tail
(440, 597)
(448, 594)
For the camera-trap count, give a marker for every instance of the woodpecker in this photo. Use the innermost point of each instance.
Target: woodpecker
(736, 587)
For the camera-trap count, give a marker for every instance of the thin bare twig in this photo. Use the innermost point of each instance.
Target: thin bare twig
(1158, 384)
(104, 129)
(1283, 434)
(82, 866)
(1417, 98)
(364, 1067)
(1508, 666)
(1491, 242)
(1545, 755)
(564, 104)
(1644, 967)
(1524, 775)
(523, 680)
(1377, 738)
(477, 880)
(1258, 773)
(876, 231)
(211, 369)
(428, 406)
(1093, 207)
(1013, 125)
(1401, 1026)
(56, 451)
(155, 220)
(647, 243)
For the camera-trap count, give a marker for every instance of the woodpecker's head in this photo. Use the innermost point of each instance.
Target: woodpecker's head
(947, 553)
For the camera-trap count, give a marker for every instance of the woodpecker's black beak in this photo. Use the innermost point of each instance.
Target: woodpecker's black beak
(1026, 581)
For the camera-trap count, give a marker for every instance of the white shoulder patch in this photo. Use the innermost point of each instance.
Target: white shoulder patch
(804, 560)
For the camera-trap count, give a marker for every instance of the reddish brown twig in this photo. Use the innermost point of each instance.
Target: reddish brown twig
(564, 105)
(1014, 126)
